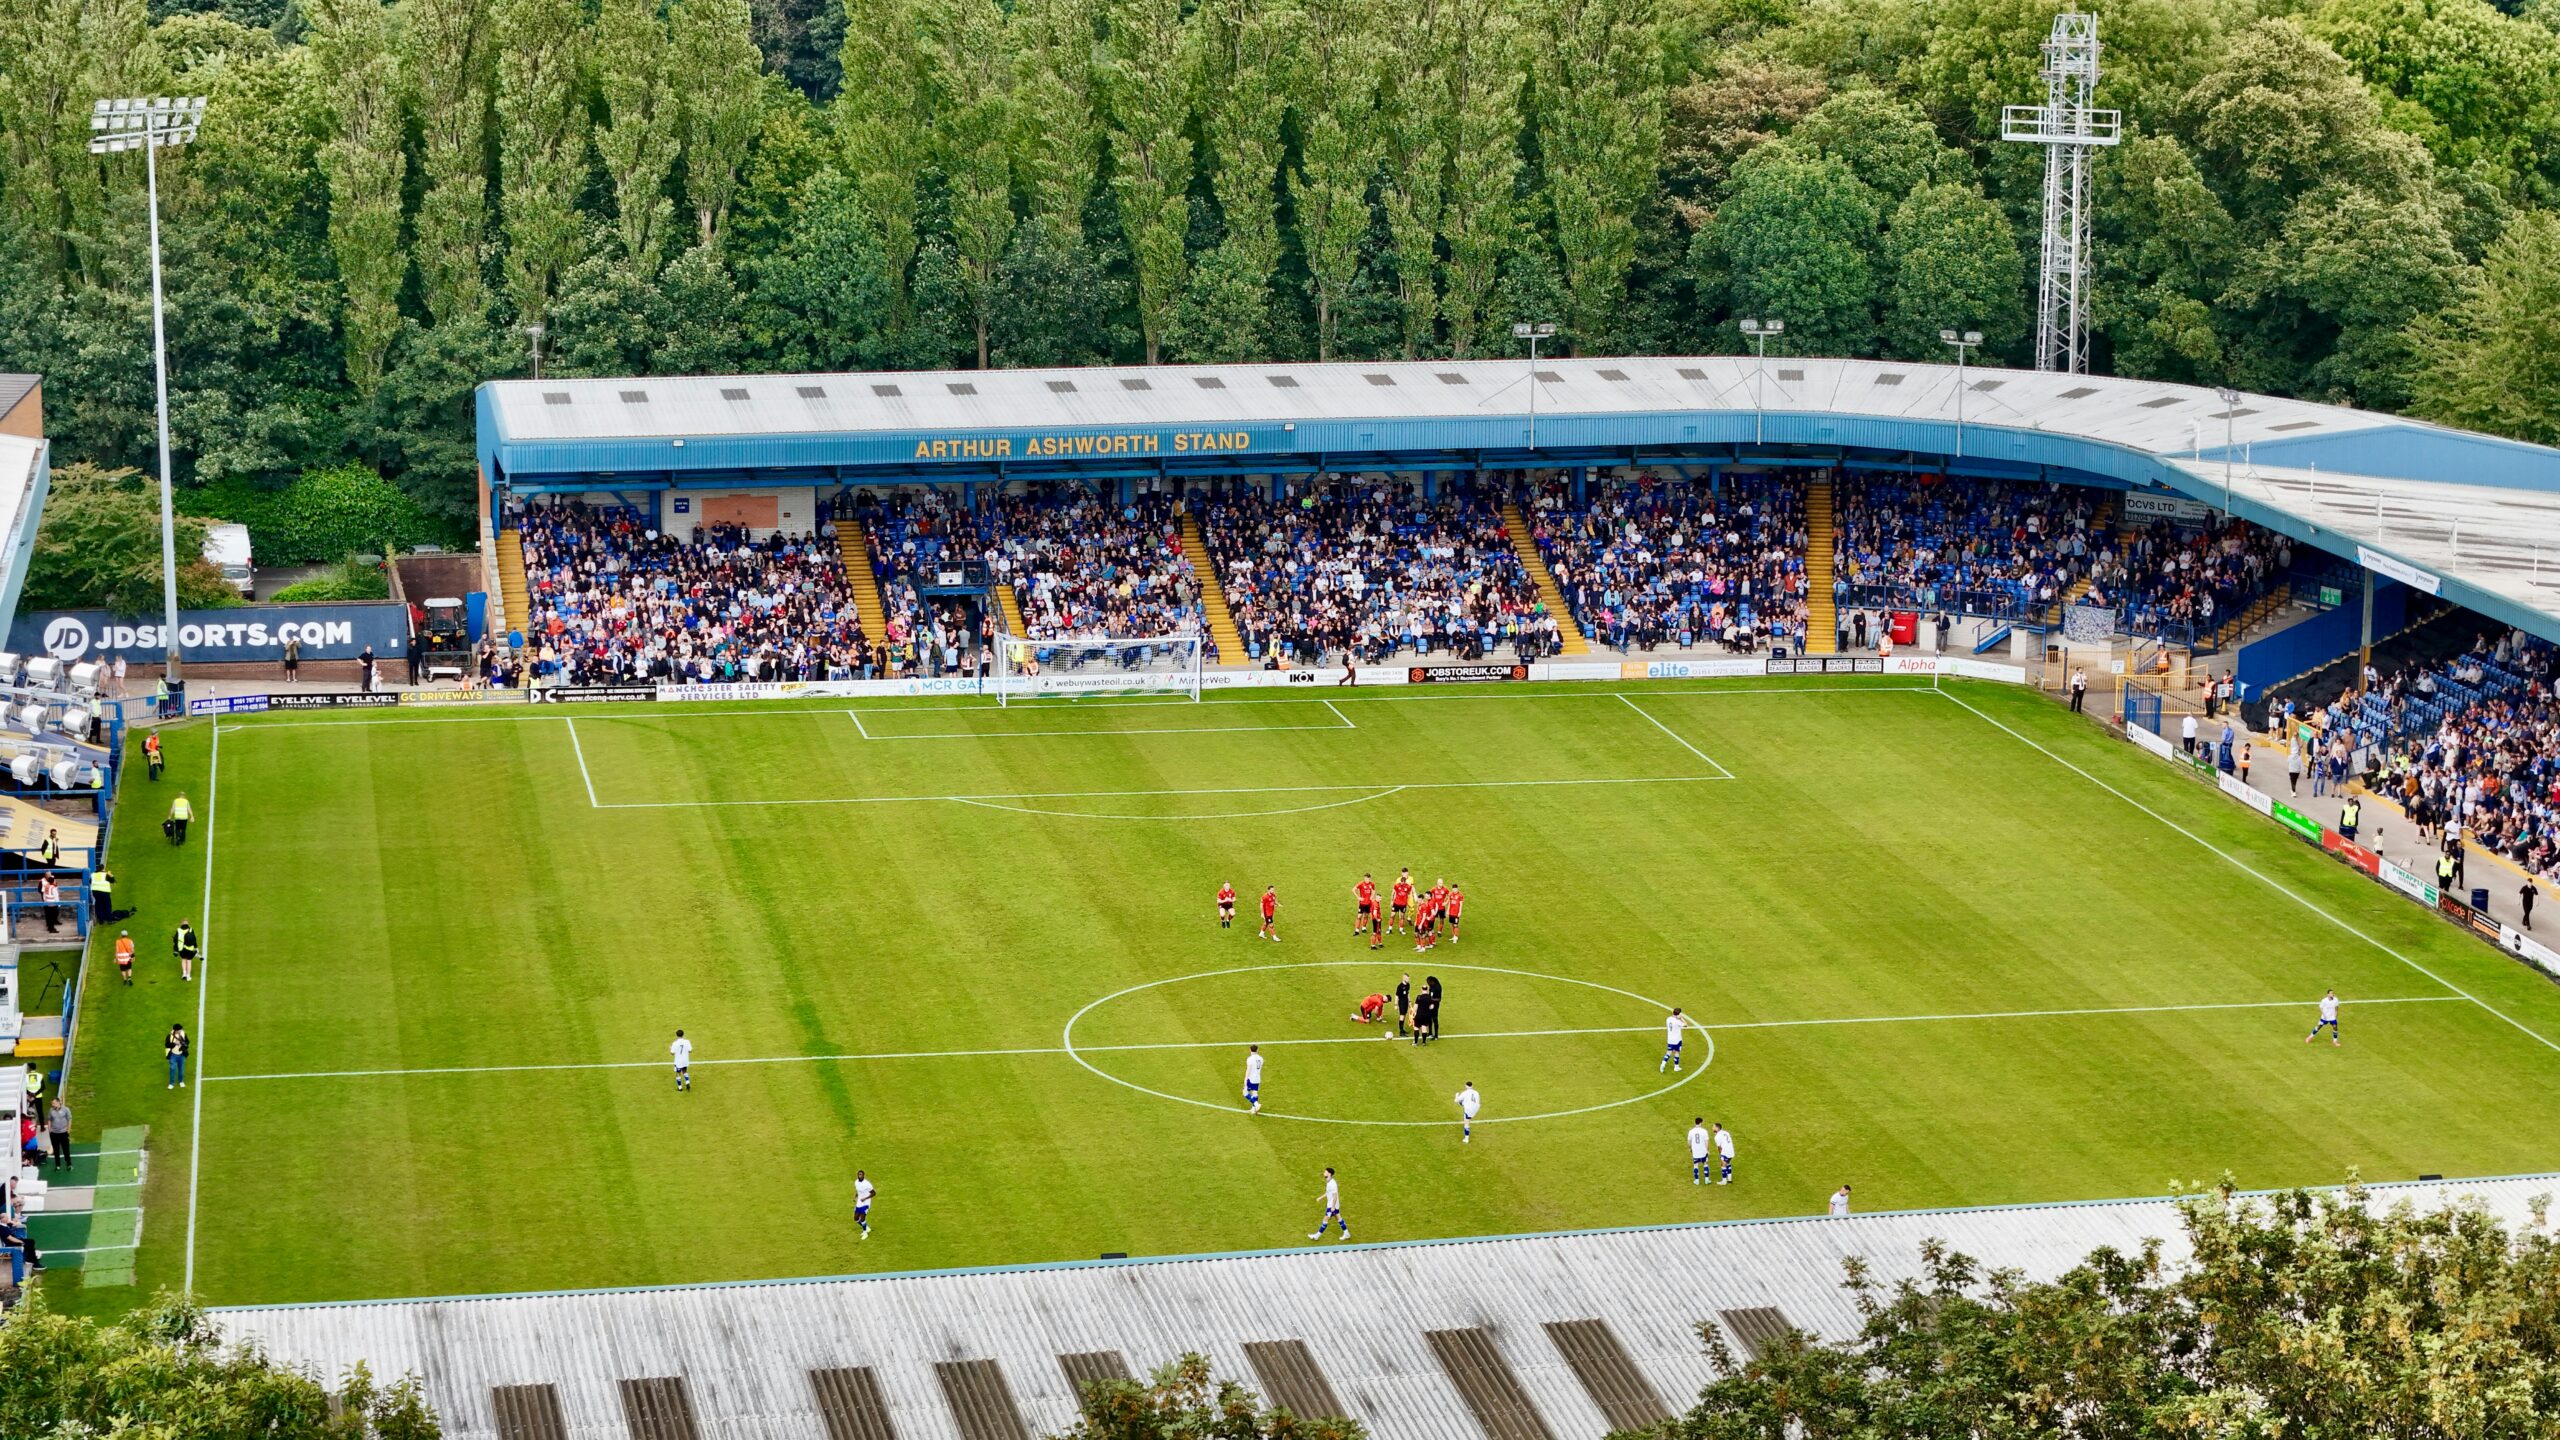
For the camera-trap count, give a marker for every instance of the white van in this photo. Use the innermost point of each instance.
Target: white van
(227, 545)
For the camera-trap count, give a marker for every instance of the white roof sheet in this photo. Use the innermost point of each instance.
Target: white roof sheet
(2147, 415)
(745, 1350)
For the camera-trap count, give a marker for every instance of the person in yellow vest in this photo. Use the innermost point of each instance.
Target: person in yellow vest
(2444, 874)
(185, 946)
(102, 897)
(2349, 815)
(180, 812)
(124, 956)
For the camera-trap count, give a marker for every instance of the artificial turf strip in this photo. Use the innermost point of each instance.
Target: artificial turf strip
(435, 896)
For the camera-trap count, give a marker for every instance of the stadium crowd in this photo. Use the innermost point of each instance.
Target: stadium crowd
(1372, 569)
(2177, 583)
(612, 600)
(1648, 562)
(1083, 567)
(1958, 544)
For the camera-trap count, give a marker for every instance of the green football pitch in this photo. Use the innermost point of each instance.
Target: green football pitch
(1954, 947)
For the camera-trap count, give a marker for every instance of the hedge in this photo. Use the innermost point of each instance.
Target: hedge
(321, 516)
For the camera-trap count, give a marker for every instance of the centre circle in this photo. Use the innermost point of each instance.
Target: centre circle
(1067, 1041)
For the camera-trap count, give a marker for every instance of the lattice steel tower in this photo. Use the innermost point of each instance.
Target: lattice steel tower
(2070, 129)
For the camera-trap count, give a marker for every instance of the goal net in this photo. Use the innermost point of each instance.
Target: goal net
(1028, 669)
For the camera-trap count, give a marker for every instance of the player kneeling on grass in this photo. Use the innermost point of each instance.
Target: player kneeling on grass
(1372, 1009)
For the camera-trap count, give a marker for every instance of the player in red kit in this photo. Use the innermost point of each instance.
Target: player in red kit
(1404, 902)
(1226, 905)
(1270, 914)
(1364, 904)
(1371, 1008)
(1457, 907)
(1426, 921)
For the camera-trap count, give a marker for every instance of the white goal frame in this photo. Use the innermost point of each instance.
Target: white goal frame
(1030, 669)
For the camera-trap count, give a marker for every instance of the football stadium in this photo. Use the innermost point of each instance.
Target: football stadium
(1077, 845)
(1154, 719)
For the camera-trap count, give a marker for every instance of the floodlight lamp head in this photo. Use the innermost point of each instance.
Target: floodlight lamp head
(1764, 327)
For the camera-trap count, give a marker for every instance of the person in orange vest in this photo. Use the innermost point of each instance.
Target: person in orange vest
(124, 955)
(151, 753)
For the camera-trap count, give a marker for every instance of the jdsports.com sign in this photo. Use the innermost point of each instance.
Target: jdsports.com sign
(250, 633)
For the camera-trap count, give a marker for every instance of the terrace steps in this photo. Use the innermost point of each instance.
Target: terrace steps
(1822, 617)
(1008, 607)
(1213, 596)
(512, 592)
(1568, 632)
(861, 579)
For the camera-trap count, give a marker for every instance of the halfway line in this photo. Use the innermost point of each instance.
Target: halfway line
(1312, 1040)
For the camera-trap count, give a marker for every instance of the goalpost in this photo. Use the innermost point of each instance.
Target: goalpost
(1028, 669)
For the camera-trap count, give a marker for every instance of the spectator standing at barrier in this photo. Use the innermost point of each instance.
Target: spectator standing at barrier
(35, 1090)
(175, 1047)
(293, 658)
(367, 663)
(102, 897)
(2349, 815)
(2187, 734)
(180, 812)
(49, 854)
(58, 1126)
(49, 895)
(117, 671)
(2293, 766)
(2079, 690)
(151, 753)
(2524, 897)
(2244, 762)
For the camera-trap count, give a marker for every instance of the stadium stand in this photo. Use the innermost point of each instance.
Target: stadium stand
(1374, 568)
(1649, 563)
(2188, 586)
(1081, 567)
(1957, 545)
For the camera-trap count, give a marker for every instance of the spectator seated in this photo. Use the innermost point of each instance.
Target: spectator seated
(1085, 567)
(2180, 585)
(1956, 544)
(1650, 562)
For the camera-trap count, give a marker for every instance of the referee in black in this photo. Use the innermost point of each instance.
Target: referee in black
(1431, 986)
(1404, 1000)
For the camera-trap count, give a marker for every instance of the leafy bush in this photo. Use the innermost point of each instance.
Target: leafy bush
(322, 515)
(348, 580)
(99, 545)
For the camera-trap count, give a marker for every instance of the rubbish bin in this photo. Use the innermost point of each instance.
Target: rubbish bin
(2479, 899)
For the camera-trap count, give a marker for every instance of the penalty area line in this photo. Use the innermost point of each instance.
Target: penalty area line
(1364, 1039)
(2256, 874)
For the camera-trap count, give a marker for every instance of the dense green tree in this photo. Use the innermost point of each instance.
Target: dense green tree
(1716, 118)
(351, 42)
(885, 121)
(638, 138)
(416, 426)
(1886, 142)
(1341, 145)
(819, 298)
(1225, 314)
(163, 1372)
(718, 76)
(2492, 361)
(1246, 55)
(1144, 87)
(542, 144)
(2298, 1315)
(1479, 121)
(2164, 244)
(1595, 68)
(1184, 1401)
(1794, 240)
(1414, 190)
(1951, 262)
(55, 60)
(1059, 152)
(2345, 279)
(2480, 88)
(972, 69)
(100, 546)
(448, 59)
(1057, 304)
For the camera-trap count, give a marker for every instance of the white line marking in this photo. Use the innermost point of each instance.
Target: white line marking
(1365, 1039)
(1000, 797)
(1216, 815)
(1338, 715)
(2260, 876)
(581, 752)
(1674, 734)
(772, 708)
(859, 727)
(204, 984)
(1100, 734)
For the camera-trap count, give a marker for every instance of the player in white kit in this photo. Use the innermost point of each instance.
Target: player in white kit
(1469, 1102)
(1253, 1078)
(682, 1050)
(1700, 1144)
(1672, 1025)
(1332, 1208)
(862, 1193)
(2328, 1019)
(1724, 1152)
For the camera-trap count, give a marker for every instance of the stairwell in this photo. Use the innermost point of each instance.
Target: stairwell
(1213, 596)
(1009, 608)
(1568, 632)
(513, 597)
(860, 579)
(1822, 617)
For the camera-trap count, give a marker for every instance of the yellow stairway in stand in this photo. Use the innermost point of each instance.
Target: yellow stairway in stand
(1526, 547)
(858, 576)
(1821, 623)
(1213, 596)
(512, 594)
(1008, 608)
